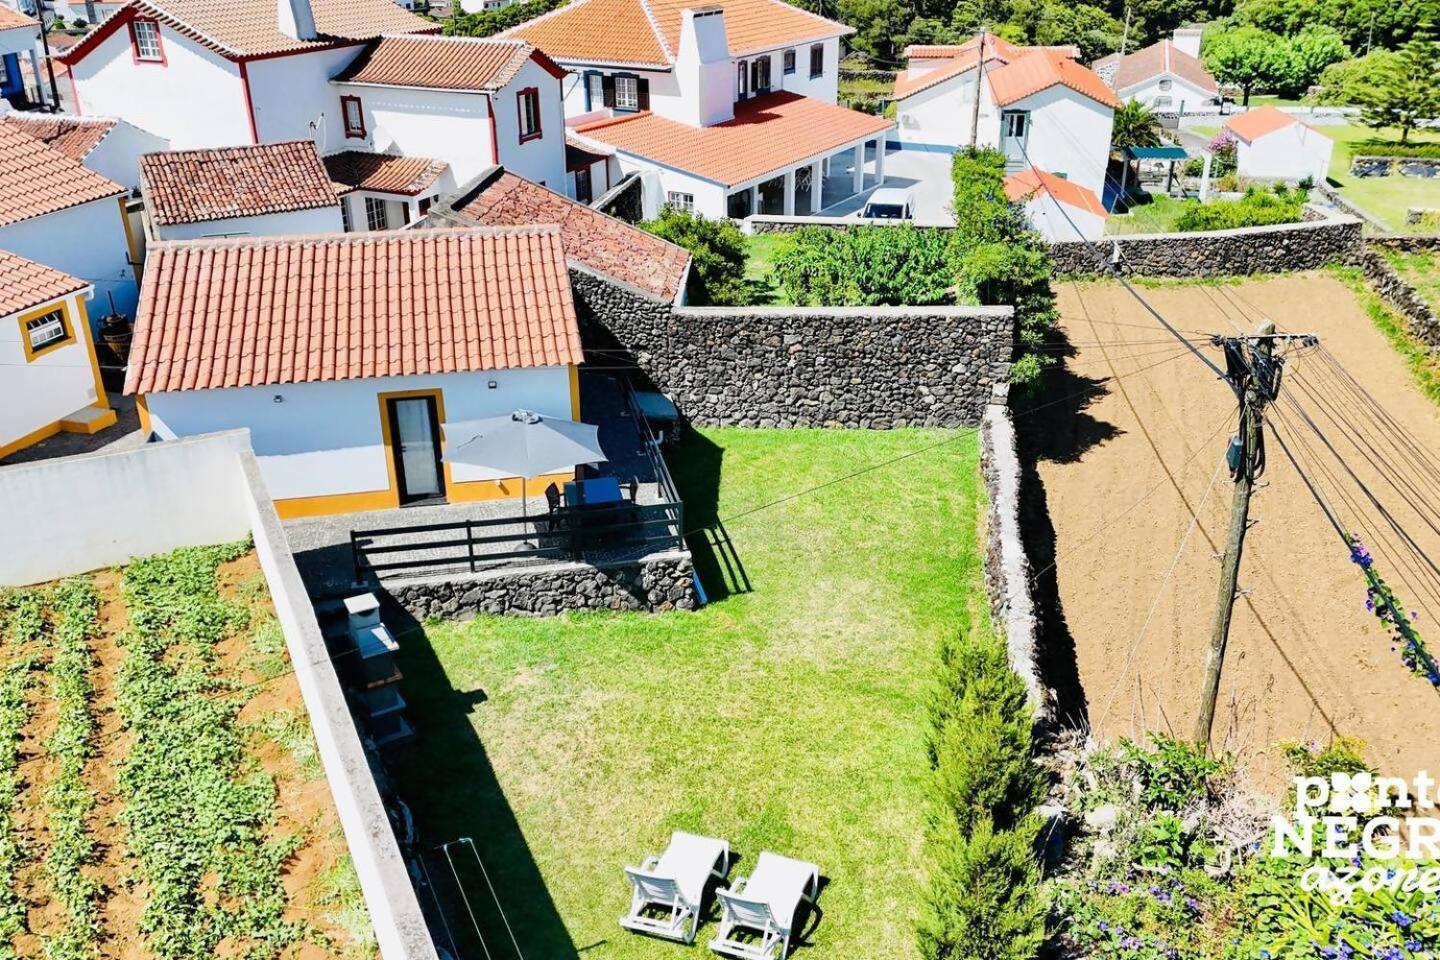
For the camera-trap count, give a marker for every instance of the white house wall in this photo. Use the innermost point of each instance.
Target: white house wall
(194, 99)
(294, 99)
(35, 394)
(325, 438)
(941, 116)
(118, 155)
(454, 127)
(1184, 96)
(1049, 220)
(542, 159)
(1290, 153)
(87, 241)
(317, 220)
(1069, 135)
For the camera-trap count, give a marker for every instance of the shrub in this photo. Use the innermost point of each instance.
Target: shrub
(1347, 82)
(1426, 150)
(866, 266)
(717, 252)
(1258, 208)
(985, 901)
(1172, 775)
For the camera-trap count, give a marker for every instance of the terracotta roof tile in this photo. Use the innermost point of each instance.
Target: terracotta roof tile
(25, 283)
(1162, 57)
(1253, 124)
(1028, 75)
(36, 179)
(71, 135)
(1027, 183)
(13, 20)
(248, 28)
(768, 134)
(255, 311)
(353, 170)
(193, 186)
(600, 242)
(907, 85)
(440, 63)
(647, 32)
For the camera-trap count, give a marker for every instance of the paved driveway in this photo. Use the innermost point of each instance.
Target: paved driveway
(925, 175)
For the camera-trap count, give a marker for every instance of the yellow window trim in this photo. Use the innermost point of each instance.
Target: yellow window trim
(102, 399)
(68, 322)
(575, 392)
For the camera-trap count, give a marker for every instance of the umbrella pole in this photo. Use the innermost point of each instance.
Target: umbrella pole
(525, 512)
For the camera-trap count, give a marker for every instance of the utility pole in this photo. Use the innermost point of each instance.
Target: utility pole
(979, 82)
(1125, 37)
(1254, 374)
(49, 62)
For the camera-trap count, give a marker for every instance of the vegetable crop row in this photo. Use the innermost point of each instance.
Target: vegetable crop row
(25, 623)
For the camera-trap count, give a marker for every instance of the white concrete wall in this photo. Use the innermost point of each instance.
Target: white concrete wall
(1049, 220)
(87, 242)
(542, 159)
(941, 116)
(454, 127)
(325, 438)
(294, 99)
(316, 220)
(35, 394)
(119, 506)
(118, 155)
(194, 99)
(1069, 135)
(1184, 96)
(657, 180)
(1290, 153)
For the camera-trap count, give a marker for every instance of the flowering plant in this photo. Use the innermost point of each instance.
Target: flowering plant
(1380, 600)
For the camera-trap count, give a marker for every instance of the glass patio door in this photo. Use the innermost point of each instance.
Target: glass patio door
(416, 436)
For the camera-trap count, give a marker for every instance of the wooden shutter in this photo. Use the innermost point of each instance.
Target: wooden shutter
(607, 87)
(642, 93)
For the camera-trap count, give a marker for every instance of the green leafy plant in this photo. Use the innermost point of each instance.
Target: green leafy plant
(985, 900)
(866, 266)
(1256, 208)
(717, 255)
(1405, 89)
(486, 23)
(1172, 774)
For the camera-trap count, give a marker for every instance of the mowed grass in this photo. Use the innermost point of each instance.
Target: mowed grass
(791, 717)
(761, 250)
(1157, 216)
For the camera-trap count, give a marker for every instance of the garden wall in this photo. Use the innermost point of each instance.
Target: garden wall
(1421, 318)
(868, 367)
(655, 584)
(624, 201)
(1007, 568)
(1247, 250)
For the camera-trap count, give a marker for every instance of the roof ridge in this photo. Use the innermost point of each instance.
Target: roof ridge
(194, 151)
(655, 28)
(430, 37)
(355, 238)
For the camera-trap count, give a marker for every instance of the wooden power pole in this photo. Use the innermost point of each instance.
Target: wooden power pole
(979, 81)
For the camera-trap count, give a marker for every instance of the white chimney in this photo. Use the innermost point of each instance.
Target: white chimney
(295, 19)
(703, 70)
(1187, 40)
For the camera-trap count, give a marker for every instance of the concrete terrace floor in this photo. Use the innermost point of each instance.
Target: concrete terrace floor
(123, 435)
(926, 175)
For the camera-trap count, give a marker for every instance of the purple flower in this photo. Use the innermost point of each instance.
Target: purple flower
(1401, 919)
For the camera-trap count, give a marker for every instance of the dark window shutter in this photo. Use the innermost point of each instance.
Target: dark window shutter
(642, 93)
(607, 86)
(585, 79)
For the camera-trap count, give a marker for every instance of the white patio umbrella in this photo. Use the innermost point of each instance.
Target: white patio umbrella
(522, 444)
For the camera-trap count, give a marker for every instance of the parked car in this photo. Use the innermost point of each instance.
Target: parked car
(889, 203)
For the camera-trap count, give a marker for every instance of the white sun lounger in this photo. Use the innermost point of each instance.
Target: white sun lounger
(765, 905)
(675, 882)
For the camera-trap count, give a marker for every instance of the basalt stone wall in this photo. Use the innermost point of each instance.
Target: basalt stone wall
(652, 585)
(1393, 289)
(1248, 250)
(624, 201)
(868, 367)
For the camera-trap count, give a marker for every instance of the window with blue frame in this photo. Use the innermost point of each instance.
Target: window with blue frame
(11, 82)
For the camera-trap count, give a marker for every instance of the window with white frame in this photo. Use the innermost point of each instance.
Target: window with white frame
(345, 223)
(4, 74)
(760, 75)
(596, 88)
(354, 116)
(817, 60)
(1165, 86)
(790, 60)
(742, 79)
(45, 331)
(146, 36)
(680, 201)
(376, 216)
(529, 107)
(1164, 103)
(627, 93)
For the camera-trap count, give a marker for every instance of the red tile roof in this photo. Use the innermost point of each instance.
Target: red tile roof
(1159, 58)
(71, 135)
(1034, 72)
(1253, 124)
(442, 63)
(256, 311)
(25, 284)
(248, 28)
(768, 134)
(193, 186)
(382, 172)
(647, 32)
(36, 179)
(12, 20)
(591, 238)
(907, 85)
(1027, 183)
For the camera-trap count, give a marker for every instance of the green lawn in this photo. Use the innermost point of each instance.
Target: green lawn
(1157, 216)
(761, 249)
(790, 717)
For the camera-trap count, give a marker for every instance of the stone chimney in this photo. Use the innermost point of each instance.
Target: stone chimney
(703, 70)
(295, 19)
(1187, 40)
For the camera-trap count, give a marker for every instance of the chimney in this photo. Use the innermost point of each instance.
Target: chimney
(703, 70)
(1187, 40)
(295, 19)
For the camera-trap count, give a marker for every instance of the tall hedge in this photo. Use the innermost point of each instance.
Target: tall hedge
(866, 266)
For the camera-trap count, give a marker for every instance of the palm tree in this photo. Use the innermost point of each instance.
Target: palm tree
(1135, 126)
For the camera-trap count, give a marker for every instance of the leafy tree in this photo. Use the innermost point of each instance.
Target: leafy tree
(1245, 56)
(1370, 25)
(489, 22)
(717, 255)
(1306, 56)
(882, 27)
(1347, 82)
(1407, 89)
(1283, 17)
(1088, 27)
(1135, 126)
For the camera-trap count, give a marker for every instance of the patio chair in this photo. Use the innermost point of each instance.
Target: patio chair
(552, 497)
(764, 908)
(668, 891)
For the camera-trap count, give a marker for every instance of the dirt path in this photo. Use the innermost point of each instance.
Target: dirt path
(1305, 659)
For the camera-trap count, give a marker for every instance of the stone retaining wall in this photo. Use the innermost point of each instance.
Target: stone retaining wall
(868, 367)
(624, 201)
(659, 583)
(1248, 250)
(1007, 568)
(1421, 318)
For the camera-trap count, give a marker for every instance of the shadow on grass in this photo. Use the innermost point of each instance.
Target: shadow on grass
(696, 465)
(479, 894)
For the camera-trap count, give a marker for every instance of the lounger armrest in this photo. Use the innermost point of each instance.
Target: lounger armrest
(650, 864)
(738, 887)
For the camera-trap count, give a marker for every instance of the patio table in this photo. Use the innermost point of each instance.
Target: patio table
(598, 491)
